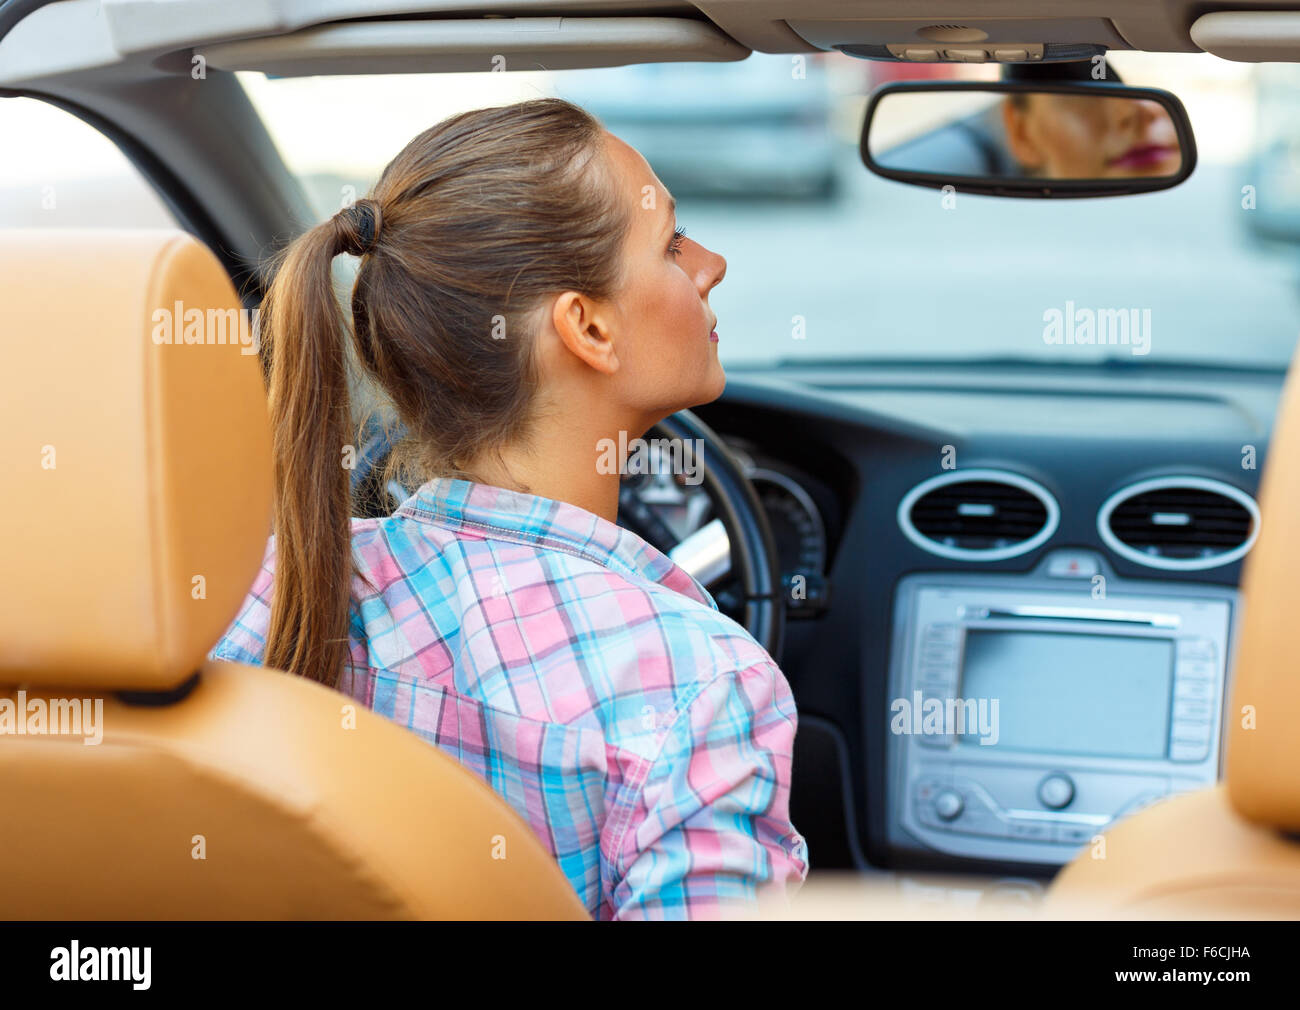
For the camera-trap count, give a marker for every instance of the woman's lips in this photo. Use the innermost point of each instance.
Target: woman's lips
(713, 336)
(1143, 156)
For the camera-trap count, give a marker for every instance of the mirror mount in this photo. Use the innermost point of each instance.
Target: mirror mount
(1026, 185)
(1083, 71)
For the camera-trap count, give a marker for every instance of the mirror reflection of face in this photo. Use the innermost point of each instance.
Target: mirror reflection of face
(1090, 137)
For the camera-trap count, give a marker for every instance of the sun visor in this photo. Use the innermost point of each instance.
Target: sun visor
(411, 47)
(1250, 36)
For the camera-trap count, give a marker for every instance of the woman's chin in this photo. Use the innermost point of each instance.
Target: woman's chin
(717, 381)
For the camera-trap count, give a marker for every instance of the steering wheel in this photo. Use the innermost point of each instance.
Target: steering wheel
(737, 543)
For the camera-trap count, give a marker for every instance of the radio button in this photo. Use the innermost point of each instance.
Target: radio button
(1029, 830)
(949, 805)
(1187, 751)
(1195, 669)
(978, 819)
(1191, 708)
(1190, 731)
(1199, 689)
(1056, 791)
(1196, 648)
(1078, 834)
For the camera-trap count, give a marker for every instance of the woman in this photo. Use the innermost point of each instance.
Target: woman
(1056, 136)
(523, 295)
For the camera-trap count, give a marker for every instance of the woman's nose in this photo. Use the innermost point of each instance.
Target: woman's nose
(1140, 113)
(710, 270)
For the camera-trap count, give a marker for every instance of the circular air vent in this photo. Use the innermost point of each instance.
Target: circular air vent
(1179, 523)
(978, 515)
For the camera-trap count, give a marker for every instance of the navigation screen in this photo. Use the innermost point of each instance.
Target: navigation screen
(1063, 693)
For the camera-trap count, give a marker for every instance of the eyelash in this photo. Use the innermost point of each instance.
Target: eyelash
(675, 244)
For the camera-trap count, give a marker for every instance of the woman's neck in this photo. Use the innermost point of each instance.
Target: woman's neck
(567, 463)
(565, 480)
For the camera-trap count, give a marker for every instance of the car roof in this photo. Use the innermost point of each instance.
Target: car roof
(373, 36)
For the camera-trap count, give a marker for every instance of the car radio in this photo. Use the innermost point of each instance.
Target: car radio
(1029, 712)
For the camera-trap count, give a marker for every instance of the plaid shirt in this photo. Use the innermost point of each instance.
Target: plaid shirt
(645, 737)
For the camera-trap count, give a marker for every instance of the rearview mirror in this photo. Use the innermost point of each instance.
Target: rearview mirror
(1029, 138)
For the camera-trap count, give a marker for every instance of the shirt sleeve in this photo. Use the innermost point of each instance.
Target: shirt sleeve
(245, 639)
(711, 830)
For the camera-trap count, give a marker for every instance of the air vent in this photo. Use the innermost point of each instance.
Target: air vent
(1179, 523)
(978, 515)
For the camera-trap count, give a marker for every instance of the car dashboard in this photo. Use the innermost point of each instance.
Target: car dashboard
(1022, 588)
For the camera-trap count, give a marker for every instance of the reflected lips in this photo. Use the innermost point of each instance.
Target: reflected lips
(1143, 156)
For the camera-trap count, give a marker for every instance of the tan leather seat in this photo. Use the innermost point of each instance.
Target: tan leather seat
(136, 509)
(1232, 851)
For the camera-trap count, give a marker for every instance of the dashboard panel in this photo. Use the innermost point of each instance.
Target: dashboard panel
(861, 439)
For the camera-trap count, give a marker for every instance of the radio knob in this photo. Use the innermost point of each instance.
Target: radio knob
(1056, 791)
(949, 804)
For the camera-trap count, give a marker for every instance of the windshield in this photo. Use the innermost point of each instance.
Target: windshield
(826, 261)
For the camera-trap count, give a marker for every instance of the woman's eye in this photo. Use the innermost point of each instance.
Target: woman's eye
(675, 244)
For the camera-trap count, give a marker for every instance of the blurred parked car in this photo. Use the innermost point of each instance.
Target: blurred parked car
(1273, 166)
(760, 127)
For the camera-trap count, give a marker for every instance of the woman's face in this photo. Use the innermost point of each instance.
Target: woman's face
(1092, 137)
(663, 327)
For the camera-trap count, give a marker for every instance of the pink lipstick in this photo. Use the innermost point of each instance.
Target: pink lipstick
(1143, 156)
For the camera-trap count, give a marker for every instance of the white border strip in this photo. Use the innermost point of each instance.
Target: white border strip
(968, 553)
(1177, 564)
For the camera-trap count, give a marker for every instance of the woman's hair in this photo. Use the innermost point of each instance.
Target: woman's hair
(467, 231)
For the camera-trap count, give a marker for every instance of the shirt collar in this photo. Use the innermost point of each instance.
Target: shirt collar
(503, 514)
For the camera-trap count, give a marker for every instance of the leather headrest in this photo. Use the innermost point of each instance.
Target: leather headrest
(1264, 718)
(137, 455)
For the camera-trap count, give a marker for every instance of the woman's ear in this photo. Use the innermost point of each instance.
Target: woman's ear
(583, 326)
(1015, 124)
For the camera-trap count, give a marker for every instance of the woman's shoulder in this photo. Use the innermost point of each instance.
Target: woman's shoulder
(728, 641)
(643, 640)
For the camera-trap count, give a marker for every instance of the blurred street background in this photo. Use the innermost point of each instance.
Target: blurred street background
(762, 156)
